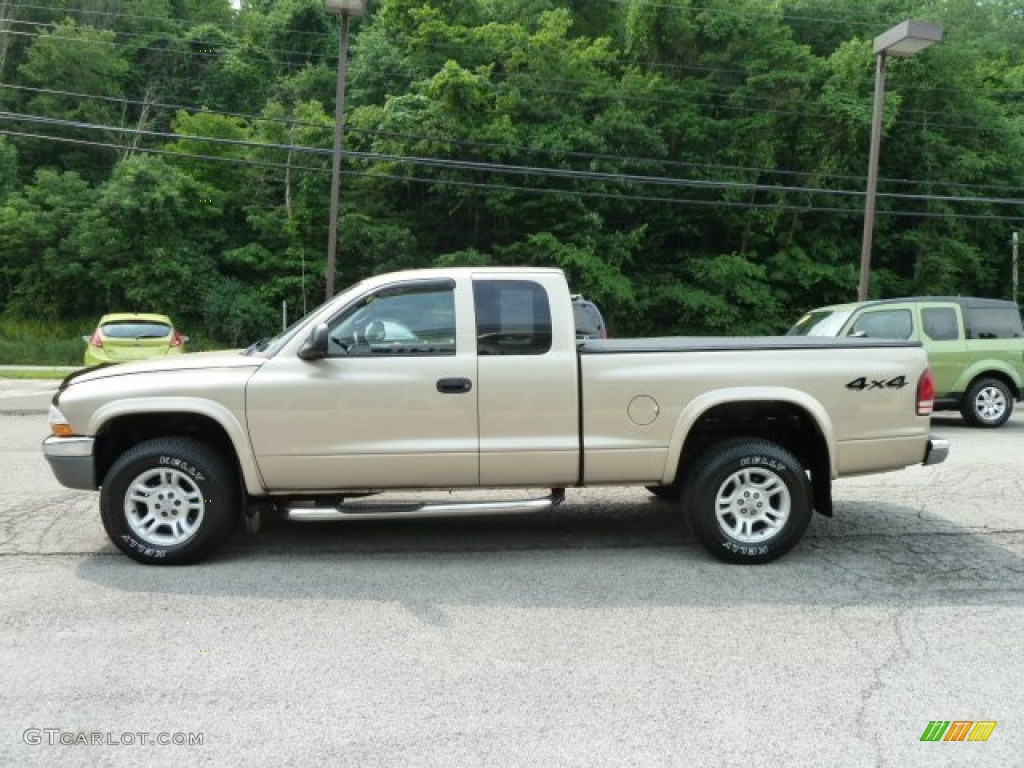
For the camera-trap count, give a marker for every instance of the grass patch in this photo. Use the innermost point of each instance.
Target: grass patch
(57, 375)
(35, 342)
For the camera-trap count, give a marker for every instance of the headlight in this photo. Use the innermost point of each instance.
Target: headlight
(59, 424)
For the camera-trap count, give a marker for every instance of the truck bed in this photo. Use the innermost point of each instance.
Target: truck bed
(731, 343)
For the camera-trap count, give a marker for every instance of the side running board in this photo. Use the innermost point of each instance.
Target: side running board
(377, 510)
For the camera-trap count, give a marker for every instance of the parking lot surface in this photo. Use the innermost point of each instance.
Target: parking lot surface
(599, 634)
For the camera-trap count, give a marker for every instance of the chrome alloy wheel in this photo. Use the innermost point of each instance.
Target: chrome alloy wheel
(164, 507)
(990, 403)
(752, 505)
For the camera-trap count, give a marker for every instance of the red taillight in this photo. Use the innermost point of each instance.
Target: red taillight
(176, 340)
(96, 340)
(926, 393)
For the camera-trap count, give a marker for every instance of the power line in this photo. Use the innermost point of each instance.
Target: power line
(67, 12)
(312, 58)
(741, 14)
(831, 20)
(490, 167)
(494, 145)
(150, 35)
(526, 189)
(845, 21)
(440, 162)
(657, 181)
(580, 92)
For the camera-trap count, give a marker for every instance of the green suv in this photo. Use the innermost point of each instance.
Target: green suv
(975, 346)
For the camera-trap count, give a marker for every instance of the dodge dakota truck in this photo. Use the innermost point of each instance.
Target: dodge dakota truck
(474, 378)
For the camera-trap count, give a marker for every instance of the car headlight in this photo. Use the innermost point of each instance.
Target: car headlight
(58, 423)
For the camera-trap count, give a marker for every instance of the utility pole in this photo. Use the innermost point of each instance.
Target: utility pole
(1016, 247)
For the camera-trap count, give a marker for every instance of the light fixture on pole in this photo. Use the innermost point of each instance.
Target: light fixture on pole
(904, 39)
(343, 8)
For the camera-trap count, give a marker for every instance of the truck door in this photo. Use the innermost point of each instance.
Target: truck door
(527, 380)
(394, 404)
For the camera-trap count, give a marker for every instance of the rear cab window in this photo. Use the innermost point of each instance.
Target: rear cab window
(513, 317)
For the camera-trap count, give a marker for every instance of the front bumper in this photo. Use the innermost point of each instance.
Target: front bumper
(938, 450)
(72, 461)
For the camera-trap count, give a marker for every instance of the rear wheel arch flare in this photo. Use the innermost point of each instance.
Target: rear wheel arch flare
(785, 423)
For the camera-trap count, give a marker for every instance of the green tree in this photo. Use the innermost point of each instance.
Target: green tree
(69, 60)
(146, 241)
(44, 275)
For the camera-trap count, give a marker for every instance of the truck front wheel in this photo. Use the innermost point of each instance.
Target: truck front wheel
(749, 501)
(169, 501)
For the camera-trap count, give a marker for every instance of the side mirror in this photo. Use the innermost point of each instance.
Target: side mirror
(315, 347)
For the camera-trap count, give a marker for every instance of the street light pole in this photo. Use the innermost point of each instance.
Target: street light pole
(343, 8)
(904, 39)
(869, 198)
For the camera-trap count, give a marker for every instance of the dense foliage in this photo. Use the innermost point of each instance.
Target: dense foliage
(696, 166)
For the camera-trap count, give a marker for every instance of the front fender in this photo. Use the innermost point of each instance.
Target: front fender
(210, 409)
(699, 406)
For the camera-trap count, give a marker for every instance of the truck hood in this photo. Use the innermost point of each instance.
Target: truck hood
(193, 361)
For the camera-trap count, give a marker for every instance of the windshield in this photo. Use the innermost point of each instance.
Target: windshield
(820, 322)
(270, 346)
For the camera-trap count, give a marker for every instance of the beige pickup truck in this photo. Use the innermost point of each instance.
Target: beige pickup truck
(471, 379)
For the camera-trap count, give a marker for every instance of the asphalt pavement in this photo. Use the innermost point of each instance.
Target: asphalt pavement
(598, 634)
(26, 396)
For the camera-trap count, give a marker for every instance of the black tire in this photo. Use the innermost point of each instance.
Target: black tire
(988, 403)
(749, 501)
(169, 501)
(666, 492)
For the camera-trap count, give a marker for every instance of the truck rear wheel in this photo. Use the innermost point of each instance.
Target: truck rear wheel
(169, 501)
(749, 501)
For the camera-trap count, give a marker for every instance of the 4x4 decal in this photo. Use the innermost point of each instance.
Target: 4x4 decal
(865, 383)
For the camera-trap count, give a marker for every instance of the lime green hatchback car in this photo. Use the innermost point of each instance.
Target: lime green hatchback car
(121, 337)
(975, 346)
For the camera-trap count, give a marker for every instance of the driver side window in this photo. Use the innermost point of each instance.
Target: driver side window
(412, 319)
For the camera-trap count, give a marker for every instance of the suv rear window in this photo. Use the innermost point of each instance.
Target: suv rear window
(994, 323)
